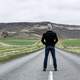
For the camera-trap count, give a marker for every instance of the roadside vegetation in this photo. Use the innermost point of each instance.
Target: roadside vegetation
(70, 45)
(11, 48)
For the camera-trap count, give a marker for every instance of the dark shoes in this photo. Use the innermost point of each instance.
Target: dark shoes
(55, 69)
(44, 69)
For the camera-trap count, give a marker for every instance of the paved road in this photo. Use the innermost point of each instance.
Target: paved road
(68, 69)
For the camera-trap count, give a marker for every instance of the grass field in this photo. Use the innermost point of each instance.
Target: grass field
(11, 48)
(71, 45)
(14, 41)
(71, 42)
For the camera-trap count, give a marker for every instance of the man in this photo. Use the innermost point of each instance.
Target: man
(49, 39)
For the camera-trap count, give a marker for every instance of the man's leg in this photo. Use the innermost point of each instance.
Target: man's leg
(54, 58)
(46, 58)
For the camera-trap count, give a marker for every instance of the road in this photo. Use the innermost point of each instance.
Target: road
(68, 68)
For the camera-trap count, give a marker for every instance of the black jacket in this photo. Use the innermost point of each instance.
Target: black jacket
(49, 38)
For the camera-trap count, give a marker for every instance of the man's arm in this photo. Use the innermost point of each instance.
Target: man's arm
(43, 39)
(56, 39)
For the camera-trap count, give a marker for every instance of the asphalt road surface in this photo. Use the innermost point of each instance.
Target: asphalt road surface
(68, 68)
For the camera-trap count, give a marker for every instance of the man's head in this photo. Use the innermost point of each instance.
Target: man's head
(49, 27)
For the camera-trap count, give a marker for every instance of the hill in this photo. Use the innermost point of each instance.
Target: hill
(22, 29)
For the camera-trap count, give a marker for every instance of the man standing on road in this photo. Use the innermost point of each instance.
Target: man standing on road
(49, 39)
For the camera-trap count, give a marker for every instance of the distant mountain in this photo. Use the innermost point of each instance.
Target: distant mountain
(63, 30)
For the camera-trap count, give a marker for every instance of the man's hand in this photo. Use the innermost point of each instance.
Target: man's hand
(43, 40)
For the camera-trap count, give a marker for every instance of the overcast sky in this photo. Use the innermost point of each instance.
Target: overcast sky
(57, 11)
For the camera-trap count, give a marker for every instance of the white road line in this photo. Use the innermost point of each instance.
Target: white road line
(50, 60)
(50, 77)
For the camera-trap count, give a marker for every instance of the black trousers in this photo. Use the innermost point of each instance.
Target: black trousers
(52, 49)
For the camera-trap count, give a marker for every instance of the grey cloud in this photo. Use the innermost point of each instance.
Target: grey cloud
(61, 11)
